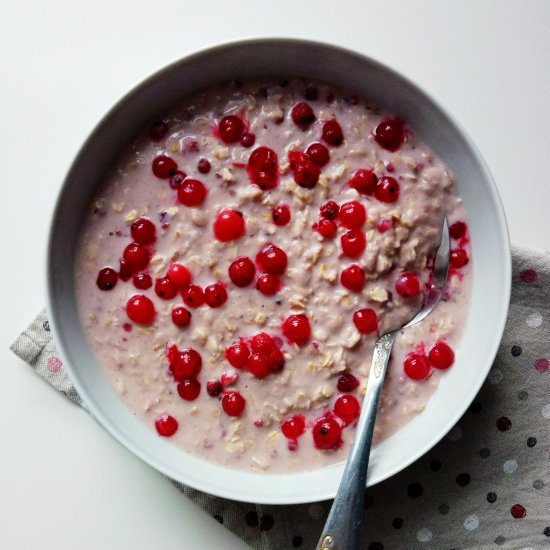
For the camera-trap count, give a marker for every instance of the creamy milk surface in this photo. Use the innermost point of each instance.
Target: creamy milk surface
(401, 236)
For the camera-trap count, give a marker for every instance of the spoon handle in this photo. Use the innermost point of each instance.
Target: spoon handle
(342, 529)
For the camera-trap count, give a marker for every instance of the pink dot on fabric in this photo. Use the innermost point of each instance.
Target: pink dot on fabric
(54, 364)
(542, 365)
(528, 276)
(518, 511)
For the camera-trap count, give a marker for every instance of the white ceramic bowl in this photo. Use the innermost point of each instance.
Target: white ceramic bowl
(367, 78)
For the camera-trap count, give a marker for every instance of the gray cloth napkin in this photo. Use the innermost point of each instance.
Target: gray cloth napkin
(485, 486)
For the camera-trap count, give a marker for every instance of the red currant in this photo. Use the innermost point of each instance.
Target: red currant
(142, 281)
(389, 134)
(459, 257)
(181, 317)
(307, 175)
(177, 179)
(248, 140)
(140, 309)
(263, 158)
(191, 192)
(107, 278)
(332, 133)
(164, 167)
(407, 285)
(302, 114)
(457, 230)
(262, 343)
(353, 215)
(318, 154)
(364, 181)
(294, 426)
(165, 288)
(186, 363)
(416, 366)
(231, 129)
(387, 189)
(203, 166)
(263, 168)
(233, 403)
(214, 388)
(441, 355)
(143, 231)
(268, 284)
(353, 278)
(347, 408)
(229, 226)
(347, 382)
(241, 271)
(326, 228)
(366, 321)
(179, 275)
(257, 365)
(189, 389)
(329, 210)
(136, 256)
(327, 434)
(166, 425)
(353, 243)
(281, 215)
(272, 259)
(215, 295)
(297, 329)
(237, 354)
(193, 296)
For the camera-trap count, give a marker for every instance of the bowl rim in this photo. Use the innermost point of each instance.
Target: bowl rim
(204, 484)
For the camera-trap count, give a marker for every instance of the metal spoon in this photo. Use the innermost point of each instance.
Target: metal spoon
(343, 527)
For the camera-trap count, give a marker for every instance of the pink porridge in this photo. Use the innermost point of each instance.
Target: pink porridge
(244, 255)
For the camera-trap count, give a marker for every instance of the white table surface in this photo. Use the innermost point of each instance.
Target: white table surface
(64, 483)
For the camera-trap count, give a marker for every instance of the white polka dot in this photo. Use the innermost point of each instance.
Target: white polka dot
(546, 411)
(455, 434)
(424, 535)
(495, 376)
(534, 320)
(316, 511)
(471, 523)
(510, 466)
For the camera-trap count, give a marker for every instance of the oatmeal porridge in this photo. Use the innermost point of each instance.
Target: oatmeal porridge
(243, 256)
